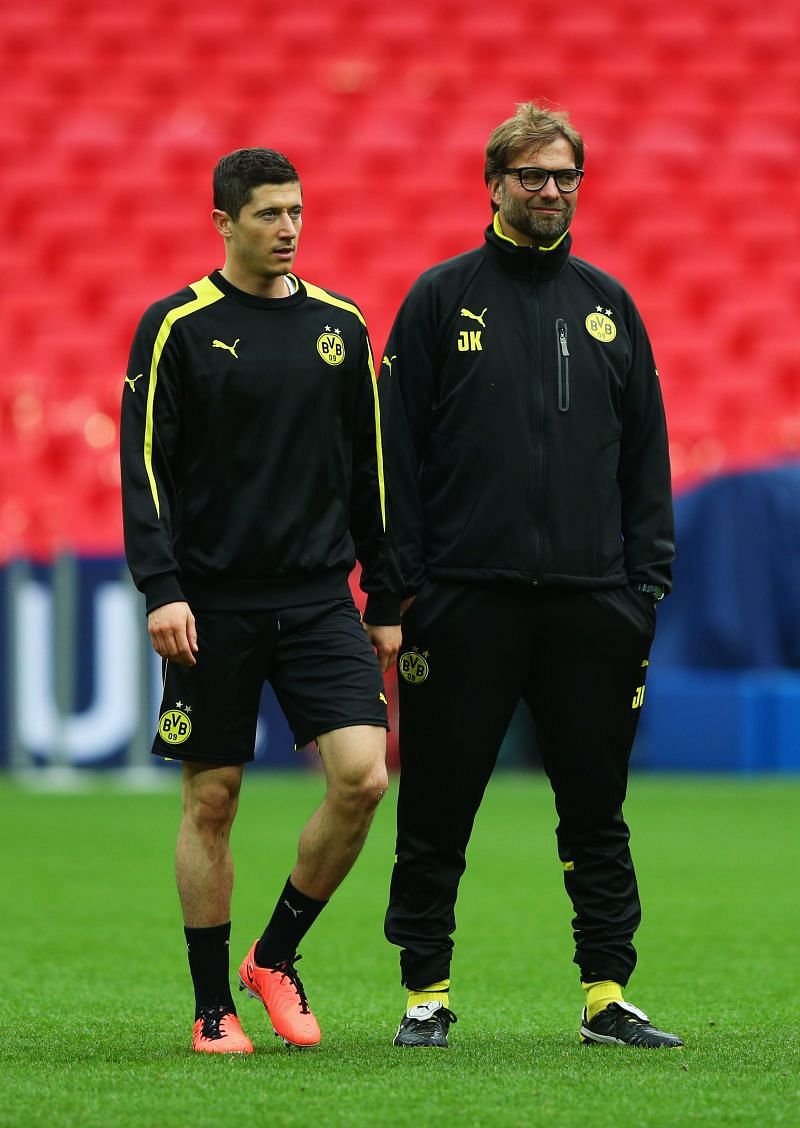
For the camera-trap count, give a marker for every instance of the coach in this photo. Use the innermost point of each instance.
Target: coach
(525, 436)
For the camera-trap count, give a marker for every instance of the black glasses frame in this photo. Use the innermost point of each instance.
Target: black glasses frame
(545, 174)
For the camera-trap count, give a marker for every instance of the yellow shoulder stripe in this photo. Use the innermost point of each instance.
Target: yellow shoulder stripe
(323, 296)
(206, 293)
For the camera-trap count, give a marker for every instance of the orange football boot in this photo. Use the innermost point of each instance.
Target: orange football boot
(218, 1031)
(280, 990)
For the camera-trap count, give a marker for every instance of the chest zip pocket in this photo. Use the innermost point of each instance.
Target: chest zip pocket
(562, 352)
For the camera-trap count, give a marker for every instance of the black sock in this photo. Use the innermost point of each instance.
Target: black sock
(293, 916)
(208, 963)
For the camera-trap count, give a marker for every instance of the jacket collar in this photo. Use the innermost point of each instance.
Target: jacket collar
(528, 262)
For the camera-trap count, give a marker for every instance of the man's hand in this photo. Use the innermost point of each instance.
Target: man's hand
(386, 641)
(173, 633)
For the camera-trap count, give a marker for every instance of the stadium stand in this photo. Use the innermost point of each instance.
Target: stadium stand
(117, 114)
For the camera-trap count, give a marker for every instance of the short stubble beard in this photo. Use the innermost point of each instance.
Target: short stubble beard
(541, 230)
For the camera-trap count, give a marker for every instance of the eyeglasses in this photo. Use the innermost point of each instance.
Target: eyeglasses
(534, 179)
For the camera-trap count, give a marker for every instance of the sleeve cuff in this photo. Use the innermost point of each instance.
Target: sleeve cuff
(382, 609)
(162, 589)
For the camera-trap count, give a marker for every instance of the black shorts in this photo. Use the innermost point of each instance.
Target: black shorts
(317, 658)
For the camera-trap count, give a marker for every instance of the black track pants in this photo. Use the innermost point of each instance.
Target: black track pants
(469, 654)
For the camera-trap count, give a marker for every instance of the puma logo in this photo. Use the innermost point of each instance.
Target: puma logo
(228, 348)
(387, 360)
(476, 316)
(295, 912)
(133, 381)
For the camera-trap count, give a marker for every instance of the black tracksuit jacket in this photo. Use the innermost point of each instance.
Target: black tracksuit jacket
(523, 425)
(252, 471)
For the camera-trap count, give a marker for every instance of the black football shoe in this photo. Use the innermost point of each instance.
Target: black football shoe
(621, 1024)
(425, 1025)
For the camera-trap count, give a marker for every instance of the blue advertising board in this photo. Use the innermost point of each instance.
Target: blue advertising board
(80, 684)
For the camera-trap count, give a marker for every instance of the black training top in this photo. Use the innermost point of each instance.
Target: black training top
(523, 425)
(252, 472)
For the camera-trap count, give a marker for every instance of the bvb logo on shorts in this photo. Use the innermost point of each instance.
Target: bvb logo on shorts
(600, 326)
(330, 346)
(174, 725)
(413, 666)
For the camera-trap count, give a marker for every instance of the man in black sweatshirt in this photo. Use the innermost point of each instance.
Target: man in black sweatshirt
(531, 504)
(252, 480)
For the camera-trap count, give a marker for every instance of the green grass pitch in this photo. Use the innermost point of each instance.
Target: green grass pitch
(98, 1007)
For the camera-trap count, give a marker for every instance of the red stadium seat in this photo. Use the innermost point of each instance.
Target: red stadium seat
(116, 115)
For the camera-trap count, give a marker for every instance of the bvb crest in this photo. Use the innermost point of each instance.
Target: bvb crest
(413, 666)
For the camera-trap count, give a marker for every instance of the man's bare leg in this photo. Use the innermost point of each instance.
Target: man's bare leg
(203, 862)
(204, 871)
(354, 760)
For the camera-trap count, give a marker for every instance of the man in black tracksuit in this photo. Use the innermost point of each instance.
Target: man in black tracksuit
(530, 496)
(252, 478)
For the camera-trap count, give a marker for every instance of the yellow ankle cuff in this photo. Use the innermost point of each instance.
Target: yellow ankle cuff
(599, 995)
(434, 993)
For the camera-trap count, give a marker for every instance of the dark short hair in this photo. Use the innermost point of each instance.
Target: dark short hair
(237, 174)
(531, 127)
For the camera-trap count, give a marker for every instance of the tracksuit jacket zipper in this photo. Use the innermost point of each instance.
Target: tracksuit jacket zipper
(539, 489)
(562, 352)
